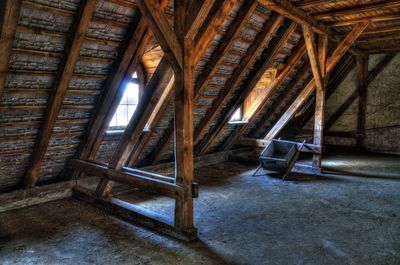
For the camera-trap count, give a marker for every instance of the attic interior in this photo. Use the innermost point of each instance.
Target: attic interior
(199, 132)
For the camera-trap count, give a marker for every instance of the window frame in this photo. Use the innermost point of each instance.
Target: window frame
(240, 120)
(140, 80)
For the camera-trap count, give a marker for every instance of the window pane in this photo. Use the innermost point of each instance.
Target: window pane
(113, 122)
(131, 110)
(132, 93)
(124, 99)
(237, 116)
(122, 115)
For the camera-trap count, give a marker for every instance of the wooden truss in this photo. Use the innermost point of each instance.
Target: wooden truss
(178, 45)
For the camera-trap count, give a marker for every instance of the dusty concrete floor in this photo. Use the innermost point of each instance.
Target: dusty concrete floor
(241, 219)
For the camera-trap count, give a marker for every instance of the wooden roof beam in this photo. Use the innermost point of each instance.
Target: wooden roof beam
(312, 52)
(288, 10)
(163, 32)
(9, 12)
(129, 58)
(64, 75)
(341, 49)
(218, 14)
(379, 18)
(225, 44)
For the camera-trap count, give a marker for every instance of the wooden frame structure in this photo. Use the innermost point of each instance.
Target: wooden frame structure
(198, 25)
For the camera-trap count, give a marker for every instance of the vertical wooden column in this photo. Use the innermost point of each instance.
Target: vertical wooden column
(320, 100)
(362, 76)
(184, 120)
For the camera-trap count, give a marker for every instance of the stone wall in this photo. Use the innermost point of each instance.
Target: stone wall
(383, 109)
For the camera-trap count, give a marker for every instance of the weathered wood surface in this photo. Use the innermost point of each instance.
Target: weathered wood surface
(9, 14)
(136, 215)
(64, 75)
(341, 49)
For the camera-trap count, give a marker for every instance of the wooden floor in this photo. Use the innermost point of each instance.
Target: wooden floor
(241, 220)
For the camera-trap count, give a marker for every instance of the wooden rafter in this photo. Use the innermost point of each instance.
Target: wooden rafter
(341, 49)
(206, 33)
(204, 37)
(9, 13)
(260, 67)
(133, 131)
(163, 32)
(312, 52)
(202, 8)
(288, 10)
(225, 45)
(64, 75)
(261, 40)
(292, 62)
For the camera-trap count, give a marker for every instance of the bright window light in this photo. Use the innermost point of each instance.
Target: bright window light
(126, 107)
(237, 116)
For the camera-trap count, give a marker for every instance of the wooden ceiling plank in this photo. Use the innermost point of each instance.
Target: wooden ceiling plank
(313, 3)
(371, 7)
(64, 75)
(288, 10)
(379, 18)
(341, 49)
(9, 12)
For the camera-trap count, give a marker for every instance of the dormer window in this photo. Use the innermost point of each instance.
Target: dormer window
(127, 105)
(237, 117)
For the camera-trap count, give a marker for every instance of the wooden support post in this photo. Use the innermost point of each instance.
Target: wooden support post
(320, 100)
(184, 120)
(9, 15)
(362, 82)
(64, 75)
(204, 36)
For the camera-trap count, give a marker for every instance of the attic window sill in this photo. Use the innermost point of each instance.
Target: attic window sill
(238, 122)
